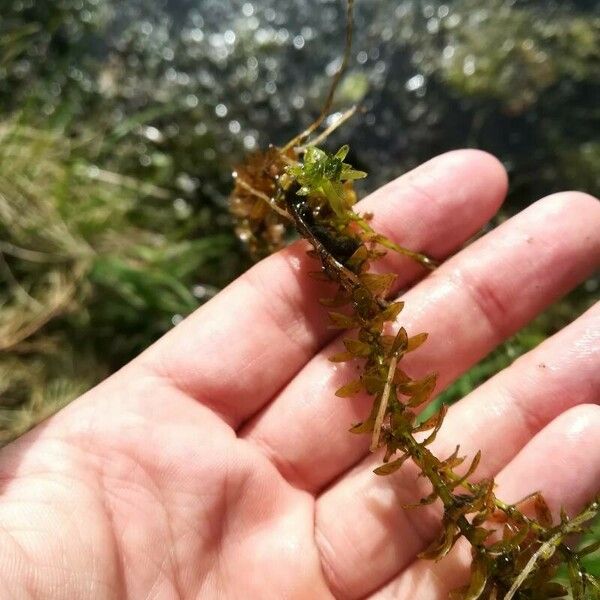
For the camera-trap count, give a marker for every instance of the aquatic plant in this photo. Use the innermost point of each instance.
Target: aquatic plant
(516, 549)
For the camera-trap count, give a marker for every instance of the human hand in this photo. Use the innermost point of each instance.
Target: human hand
(218, 464)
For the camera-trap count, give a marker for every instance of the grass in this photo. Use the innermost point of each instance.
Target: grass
(93, 267)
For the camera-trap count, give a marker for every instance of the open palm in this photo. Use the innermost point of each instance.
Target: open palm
(219, 464)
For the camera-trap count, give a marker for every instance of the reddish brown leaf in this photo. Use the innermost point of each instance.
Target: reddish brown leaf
(341, 321)
(341, 357)
(443, 544)
(350, 389)
(400, 342)
(400, 377)
(391, 467)
(378, 284)
(358, 348)
(415, 341)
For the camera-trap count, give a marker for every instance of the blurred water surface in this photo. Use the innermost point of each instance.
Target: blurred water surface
(193, 85)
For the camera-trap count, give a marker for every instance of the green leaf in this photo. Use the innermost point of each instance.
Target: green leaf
(576, 580)
(419, 390)
(472, 468)
(352, 174)
(589, 548)
(452, 461)
(340, 299)
(542, 511)
(433, 422)
(342, 152)
(479, 577)
(392, 311)
(358, 258)
(334, 196)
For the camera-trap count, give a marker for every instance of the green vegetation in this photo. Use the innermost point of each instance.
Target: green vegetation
(91, 270)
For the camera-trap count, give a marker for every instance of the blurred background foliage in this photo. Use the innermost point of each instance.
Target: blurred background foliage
(120, 122)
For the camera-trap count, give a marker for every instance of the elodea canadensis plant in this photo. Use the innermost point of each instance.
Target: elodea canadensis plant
(303, 187)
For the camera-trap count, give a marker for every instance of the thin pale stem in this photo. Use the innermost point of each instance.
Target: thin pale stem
(385, 398)
(327, 132)
(264, 197)
(328, 101)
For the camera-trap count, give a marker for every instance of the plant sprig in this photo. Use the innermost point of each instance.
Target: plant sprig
(515, 556)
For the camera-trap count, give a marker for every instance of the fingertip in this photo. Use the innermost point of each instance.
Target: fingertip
(439, 205)
(479, 185)
(573, 202)
(565, 456)
(578, 424)
(485, 166)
